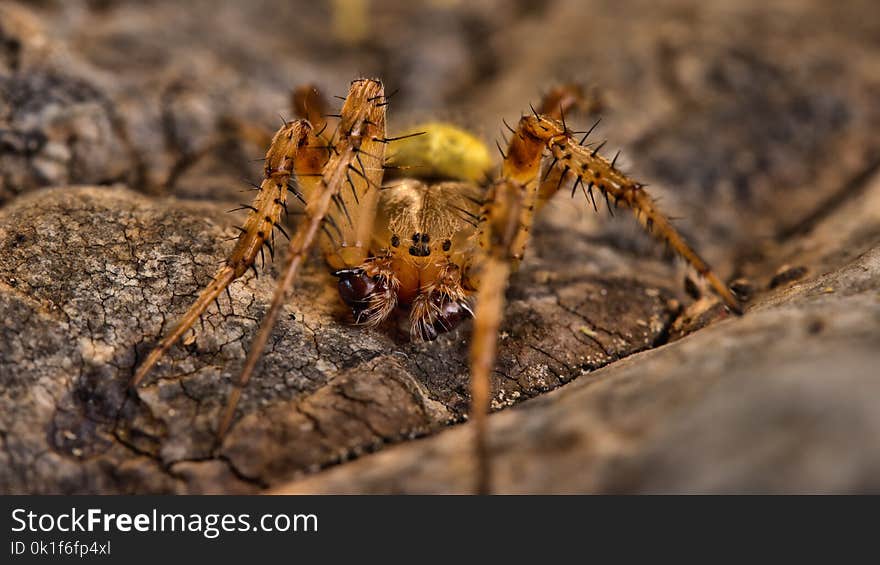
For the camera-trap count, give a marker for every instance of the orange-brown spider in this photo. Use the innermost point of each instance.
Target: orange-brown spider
(435, 244)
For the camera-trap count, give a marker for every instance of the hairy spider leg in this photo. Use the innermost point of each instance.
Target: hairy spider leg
(358, 147)
(497, 255)
(298, 146)
(309, 103)
(503, 233)
(257, 232)
(591, 170)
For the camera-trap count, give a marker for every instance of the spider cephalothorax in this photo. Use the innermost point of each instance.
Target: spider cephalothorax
(438, 242)
(422, 244)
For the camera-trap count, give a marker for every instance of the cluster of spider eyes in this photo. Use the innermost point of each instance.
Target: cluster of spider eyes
(419, 247)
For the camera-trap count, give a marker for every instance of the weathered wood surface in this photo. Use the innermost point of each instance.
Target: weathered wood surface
(756, 123)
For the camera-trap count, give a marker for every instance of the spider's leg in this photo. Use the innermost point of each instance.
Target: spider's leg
(591, 170)
(361, 134)
(306, 103)
(484, 343)
(561, 100)
(264, 217)
(489, 273)
(502, 235)
(349, 226)
(310, 104)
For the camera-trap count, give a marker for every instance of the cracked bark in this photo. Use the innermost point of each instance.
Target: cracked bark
(760, 137)
(327, 391)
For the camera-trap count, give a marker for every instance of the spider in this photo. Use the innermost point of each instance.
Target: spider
(437, 244)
